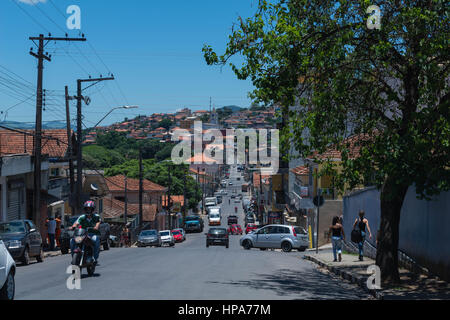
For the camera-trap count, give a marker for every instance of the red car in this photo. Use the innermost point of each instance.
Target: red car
(177, 235)
(251, 227)
(235, 229)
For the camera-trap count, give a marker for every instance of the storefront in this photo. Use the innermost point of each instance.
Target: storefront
(275, 218)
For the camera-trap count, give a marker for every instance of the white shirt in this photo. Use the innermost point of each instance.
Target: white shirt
(51, 226)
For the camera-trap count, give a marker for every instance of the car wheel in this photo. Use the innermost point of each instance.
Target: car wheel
(286, 246)
(207, 245)
(64, 250)
(106, 245)
(26, 257)
(8, 290)
(227, 246)
(40, 257)
(247, 245)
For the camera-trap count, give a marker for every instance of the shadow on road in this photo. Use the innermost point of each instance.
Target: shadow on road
(304, 285)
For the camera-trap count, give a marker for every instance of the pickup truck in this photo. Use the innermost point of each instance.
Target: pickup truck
(193, 224)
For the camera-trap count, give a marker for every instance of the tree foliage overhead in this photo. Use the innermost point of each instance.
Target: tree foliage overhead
(389, 87)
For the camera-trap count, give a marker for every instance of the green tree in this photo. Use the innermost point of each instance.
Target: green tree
(99, 157)
(389, 87)
(165, 123)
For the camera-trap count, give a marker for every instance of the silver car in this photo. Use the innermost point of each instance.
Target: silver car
(149, 238)
(277, 236)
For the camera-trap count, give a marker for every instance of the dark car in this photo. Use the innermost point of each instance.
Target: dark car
(217, 237)
(22, 240)
(249, 219)
(67, 234)
(193, 224)
(232, 220)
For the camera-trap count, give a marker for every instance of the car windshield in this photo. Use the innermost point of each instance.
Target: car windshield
(191, 219)
(214, 215)
(165, 233)
(12, 227)
(148, 233)
(176, 233)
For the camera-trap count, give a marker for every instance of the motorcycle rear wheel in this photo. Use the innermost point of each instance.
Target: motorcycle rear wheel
(90, 270)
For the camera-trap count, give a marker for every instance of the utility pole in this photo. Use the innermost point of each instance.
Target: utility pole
(184, 194)
(198, 182)
(70, 152)
(38, 127)
(141, 190)
(169, 200)
(79, 99)
(260, 197)
(126, 201)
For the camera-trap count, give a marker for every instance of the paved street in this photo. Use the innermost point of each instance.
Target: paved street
(188, 271)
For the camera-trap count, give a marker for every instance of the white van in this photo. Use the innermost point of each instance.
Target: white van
(215, 217)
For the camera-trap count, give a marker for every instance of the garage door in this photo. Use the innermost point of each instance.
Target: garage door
(13, 208)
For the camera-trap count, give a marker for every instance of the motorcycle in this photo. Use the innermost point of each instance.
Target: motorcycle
(83, 254)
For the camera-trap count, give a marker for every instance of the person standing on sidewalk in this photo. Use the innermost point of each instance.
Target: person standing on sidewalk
(51, 229)
(362, 223)
(58, 231)
(337, 234)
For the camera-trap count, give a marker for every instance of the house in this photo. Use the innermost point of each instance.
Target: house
(55, 184)
(152, 200)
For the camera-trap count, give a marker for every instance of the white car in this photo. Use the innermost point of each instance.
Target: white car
(7, 272)
(167, 237)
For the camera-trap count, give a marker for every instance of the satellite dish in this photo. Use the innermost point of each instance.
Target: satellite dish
(94, 187)
(87, 100)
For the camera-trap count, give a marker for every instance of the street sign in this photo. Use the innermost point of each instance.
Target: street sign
(318, 201)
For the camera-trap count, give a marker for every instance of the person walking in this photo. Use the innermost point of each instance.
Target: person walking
(58, 231)
(362, 224)
(51, 229)
(337, 235)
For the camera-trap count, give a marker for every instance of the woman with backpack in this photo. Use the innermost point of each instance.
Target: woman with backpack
(337, 234)
(361, 224)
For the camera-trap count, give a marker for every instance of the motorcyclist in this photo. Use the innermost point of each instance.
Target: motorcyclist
(90, 221)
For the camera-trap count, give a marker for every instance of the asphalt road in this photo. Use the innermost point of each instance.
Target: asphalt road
(187, 271)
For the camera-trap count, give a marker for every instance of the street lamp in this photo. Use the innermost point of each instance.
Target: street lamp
(123, 107)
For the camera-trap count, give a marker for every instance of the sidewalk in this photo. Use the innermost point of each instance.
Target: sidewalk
(412, 286)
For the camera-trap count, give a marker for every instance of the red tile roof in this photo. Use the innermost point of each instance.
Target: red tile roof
(117, 183)
(113, 208)
(301, 171)
(54, 142)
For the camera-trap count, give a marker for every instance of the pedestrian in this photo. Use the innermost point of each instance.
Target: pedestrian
(58, 231)
(362, 224)
(337, 235)
(51, 229)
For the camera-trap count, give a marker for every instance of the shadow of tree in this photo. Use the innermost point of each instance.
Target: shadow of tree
(305, 285)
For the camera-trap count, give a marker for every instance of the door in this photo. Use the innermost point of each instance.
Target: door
(277, 234)
(13, 205)
(263, 237)
(34, 238)
(3, 260)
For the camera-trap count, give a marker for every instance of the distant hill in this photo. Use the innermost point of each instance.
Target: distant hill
(233, 108)
(30, 126)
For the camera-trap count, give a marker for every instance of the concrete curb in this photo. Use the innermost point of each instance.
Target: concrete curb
(359, 280)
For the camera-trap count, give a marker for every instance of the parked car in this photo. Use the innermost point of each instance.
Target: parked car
(177, 236)
(214, 218)
(249, 220)
(167, 237)
(217, 237)
(250, 227)
(22, 240)
(182, 232)
(235, 229)
(230, 183)
(149, 238)
(193, 224)
(232, 220)
(66, 235)
(114, 241)
(7, 273)
(276, 237)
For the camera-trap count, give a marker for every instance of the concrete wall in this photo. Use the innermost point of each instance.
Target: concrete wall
(424, 226)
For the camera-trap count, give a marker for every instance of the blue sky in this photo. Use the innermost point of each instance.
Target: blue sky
(152, 47)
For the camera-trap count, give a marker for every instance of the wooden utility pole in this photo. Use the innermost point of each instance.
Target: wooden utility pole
(184, 194)
(41, 56)
(70, 152)
(126, 201)
(169, 200)
(141, 190)
(79, 97)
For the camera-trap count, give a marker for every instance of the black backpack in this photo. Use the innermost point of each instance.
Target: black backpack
(356, 235)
